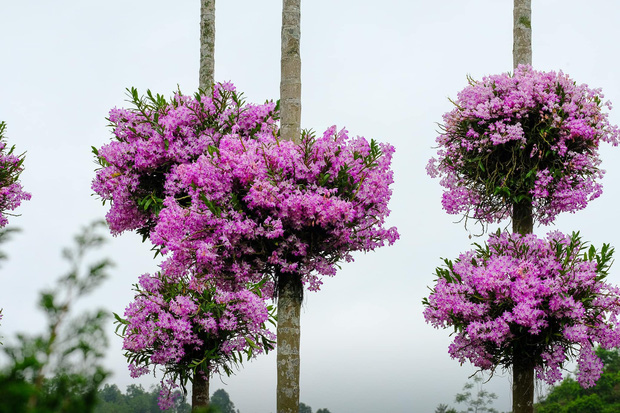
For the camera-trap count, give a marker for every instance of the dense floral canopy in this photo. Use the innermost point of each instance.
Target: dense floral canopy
(211, 183)
(549, 294)
(531, 137)
(189, 325)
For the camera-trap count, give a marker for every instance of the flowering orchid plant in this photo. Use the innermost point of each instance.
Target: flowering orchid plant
(548, 293)
(234, 210)
(11, 191)
(209, 181)
(189, 327)
(531, 137)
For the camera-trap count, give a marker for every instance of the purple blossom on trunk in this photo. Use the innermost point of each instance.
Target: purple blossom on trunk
(213, 186)
(235, 210)
(548, 293)
(531, 137)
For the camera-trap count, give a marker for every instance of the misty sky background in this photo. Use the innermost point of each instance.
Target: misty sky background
(383, 70)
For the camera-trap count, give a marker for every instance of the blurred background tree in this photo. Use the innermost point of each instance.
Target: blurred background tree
(60, 369)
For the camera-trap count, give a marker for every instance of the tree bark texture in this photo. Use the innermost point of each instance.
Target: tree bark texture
(522, 380)
(207, 44)
(200, 391)
(522, 219)
(290, 292)
(290, 71)
(522, 33)
(290, 288)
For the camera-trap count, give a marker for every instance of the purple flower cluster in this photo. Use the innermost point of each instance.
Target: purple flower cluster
(231, 206)
(547, 293)
(529, 137)
(210, 182)
(180, 324)
(11, 191)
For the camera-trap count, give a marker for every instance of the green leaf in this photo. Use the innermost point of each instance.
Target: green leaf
(213, 149)
(251, 343)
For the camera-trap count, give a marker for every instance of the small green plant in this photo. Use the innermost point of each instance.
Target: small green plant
(59, 370)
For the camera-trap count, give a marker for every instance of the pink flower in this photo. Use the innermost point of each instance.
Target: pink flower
(529, 137)
(544, 291)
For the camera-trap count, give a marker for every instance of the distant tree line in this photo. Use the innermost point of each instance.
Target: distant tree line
(136, 399)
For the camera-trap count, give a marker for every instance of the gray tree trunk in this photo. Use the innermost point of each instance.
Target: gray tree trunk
(522, 361)
(522, 33)
(290, 69)
(290, 289)
(200, 391)
(200, 385)
(207, 44)
(522, 219)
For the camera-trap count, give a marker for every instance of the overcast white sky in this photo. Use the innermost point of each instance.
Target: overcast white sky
(382, 69)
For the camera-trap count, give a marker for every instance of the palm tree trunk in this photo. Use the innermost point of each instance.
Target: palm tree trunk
(290, 288)
(290, 292)
(522, 362)
(290, 69)
(522, 219)
(200, 385)
(522, 379)
(207, 45)
(200, 391)
(522, 33)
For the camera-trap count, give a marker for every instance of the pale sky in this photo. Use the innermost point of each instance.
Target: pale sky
(383, 69)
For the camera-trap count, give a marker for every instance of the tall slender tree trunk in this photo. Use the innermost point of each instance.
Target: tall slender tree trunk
(290, 293)
(522, 220)
(207, 45)
(200, 391)
(522, 362)
(290, 71)
(200, 384)
(522, 33)
(290, 288)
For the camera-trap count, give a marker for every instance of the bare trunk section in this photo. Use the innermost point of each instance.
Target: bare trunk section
(207, 45)
(290, 287)
(200, 391)
(522, 361)
(290, 291)
(290, 69)
(522, 33)
(522, 218)
(522, 380)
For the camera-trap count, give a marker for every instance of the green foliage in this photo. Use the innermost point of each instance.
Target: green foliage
(304, 408)
(60, 369)
(475, 398)
(220, 402)
(443, 408)
(135, 400)
(604, 397)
